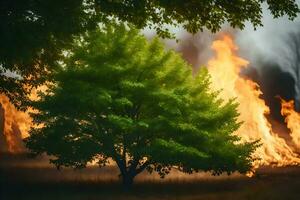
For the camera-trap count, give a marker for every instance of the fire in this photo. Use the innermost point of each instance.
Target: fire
(225, 70)
(292, 119)
(15, 125)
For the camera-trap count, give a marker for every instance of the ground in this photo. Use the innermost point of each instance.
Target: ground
(23, 178)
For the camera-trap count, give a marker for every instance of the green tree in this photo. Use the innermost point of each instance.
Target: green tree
(33, 32)
(32, 35)
(119, 96)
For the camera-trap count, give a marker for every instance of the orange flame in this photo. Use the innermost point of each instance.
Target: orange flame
(225, 70)
(16, 125)
(292, 119)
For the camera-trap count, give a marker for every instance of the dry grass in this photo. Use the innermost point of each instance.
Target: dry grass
(35, 179)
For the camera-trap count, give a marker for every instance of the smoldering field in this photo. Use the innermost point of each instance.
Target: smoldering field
(26, 178)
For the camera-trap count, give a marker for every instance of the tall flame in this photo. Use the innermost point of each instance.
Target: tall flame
(16, 125)
(225, 70)
(292, 119)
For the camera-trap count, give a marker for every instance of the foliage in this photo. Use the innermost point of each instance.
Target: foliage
(119, 96)
(32, 35)
(194, 15)
(33, 32)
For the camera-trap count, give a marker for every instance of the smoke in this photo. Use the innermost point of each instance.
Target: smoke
(196, 48)
(274, 53)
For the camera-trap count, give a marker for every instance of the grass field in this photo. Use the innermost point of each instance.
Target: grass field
(22, 178)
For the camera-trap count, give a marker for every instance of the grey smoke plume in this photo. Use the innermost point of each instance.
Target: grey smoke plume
(196, 48)
(274, 52)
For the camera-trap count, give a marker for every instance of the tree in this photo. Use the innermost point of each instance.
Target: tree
(118, 96)
(33, 32)
(32, 36)
(194, 15)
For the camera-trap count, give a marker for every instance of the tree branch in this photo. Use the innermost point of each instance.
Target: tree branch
(142, 167)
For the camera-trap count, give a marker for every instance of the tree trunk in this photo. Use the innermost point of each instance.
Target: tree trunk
(127, 181)
(128, 173)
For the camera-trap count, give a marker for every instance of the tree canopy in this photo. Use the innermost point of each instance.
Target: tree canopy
(32, 36)
(33, 32)
(118, 96)
(195, 15)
